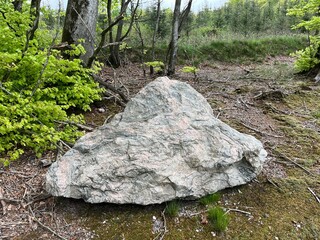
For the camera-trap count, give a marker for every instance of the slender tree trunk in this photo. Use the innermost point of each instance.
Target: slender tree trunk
(35, 15)
(80, 23)
(114, 58)
(17, 5)
(156, 29)
(114, 54)
(109, 15)
(178, 23)
(174, 39)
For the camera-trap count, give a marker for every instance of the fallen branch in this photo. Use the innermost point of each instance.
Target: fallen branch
(110, 87)
(164, 225)
(44, 226)
(8, 199)
(117, 100)
(275, 185)
(19, 174)
(292, 161)
(80, 126)
(314, 194)
(237, 210)
(258, 131)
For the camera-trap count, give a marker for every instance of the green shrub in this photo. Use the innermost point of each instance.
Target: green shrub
(306, 58)
(218, 218)
(172, 209)
(210, 199)
(37, 88)
(155, 66)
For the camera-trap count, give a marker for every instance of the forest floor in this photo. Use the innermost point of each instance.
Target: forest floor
(264, 99)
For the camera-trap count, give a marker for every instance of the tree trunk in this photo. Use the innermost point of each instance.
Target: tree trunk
(114, 58)
(174, 39)
(17, 5)
(114, 54)
(173, 46)
(156, 29)
(35, 15)
(80, 23)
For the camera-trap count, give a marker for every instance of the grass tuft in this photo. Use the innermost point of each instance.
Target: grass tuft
(218, 218)
(172, 209)
(210, 199)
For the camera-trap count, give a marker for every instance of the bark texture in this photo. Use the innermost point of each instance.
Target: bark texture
(80, 23)
(174, 39)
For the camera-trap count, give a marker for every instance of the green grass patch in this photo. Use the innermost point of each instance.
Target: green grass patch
(218, 218)
(241, 50)
(210, 199)
(172, 209)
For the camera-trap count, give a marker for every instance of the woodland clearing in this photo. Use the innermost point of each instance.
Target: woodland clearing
(265, 99)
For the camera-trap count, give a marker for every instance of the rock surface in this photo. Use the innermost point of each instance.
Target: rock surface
(165, 145)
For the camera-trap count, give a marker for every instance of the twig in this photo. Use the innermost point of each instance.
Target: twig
(237, 210)
(164, 225)
(12, 223)
(44, 226)
(3, 203)
(20, 174)
(110, 87)
(197, 213)
(295, 163)
(258, 131)
(8, 199)
(81, 126)
(314, 194)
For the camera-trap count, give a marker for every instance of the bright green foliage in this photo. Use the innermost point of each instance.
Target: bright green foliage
(172, 209)
(306, 58)
(190, 69)
(210, 199)
(157, 66)
(218, 218)
(37, 87)
(308, 11)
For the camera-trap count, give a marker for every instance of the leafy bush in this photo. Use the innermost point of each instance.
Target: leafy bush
(218, 218)
(156, 66)
(37, 88)
(309, 57)
(306, 58)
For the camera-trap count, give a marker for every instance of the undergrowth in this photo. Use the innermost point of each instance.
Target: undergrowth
(37, 88)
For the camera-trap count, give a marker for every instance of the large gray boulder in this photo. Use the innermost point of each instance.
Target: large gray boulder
(165, 145)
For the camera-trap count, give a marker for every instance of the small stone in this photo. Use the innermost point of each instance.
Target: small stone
(101, 110)
(45, 162)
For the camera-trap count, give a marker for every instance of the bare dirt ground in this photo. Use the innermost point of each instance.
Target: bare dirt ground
(265, 99)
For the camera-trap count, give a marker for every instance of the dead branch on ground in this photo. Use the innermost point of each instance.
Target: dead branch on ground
(314, 194)
(258, 131)
(110, 87)
(292, 161)
(33, 218)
